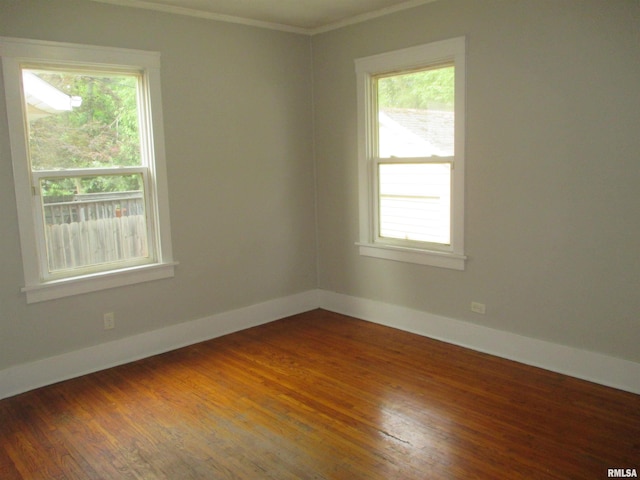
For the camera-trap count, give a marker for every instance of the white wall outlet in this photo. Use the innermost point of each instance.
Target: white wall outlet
(109, 321)
(477, 307)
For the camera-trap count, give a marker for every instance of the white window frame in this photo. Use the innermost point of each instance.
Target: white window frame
(367, 69)
(39, 286)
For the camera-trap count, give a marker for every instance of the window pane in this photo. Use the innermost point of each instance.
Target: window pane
(414, 201)
(94, 220)
(416, 113)
(81, 119)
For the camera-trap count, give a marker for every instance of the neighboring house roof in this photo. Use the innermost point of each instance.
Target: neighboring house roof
(44, 99)
(429, 132)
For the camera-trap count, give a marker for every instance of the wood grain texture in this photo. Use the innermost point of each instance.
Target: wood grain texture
(320, 396)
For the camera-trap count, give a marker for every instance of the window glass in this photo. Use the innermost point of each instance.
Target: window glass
(414, 201)
(81, 119)
(105, 224)
(416, 113)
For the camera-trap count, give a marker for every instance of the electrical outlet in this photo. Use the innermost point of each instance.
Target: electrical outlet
(109, 321)
(477, 307)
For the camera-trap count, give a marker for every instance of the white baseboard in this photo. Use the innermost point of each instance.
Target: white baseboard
(583, 364)
(591, 366)
(25, 377)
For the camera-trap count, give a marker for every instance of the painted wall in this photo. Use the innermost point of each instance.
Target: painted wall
(553, 169)
(237, 110)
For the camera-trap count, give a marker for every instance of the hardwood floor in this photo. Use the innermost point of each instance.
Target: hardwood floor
(320, 396)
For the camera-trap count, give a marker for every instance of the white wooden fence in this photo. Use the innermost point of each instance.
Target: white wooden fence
(77, 244)
(118, 234)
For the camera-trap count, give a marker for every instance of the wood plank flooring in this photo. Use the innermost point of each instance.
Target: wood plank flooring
(320, 396)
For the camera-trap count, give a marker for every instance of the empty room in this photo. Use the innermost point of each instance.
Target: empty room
(320, 239)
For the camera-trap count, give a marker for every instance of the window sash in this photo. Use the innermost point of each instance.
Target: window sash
(373, 147)
(420, 230)
(441, 145)
(42, 230)
(88, 248)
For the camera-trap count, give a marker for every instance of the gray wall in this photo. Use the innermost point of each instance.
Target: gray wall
(553, 169)
(237, 110)
(553, 174)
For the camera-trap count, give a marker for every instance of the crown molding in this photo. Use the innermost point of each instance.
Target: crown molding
(176, 10)
(368, 16)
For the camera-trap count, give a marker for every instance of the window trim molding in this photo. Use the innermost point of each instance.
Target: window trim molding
(15, 52)
(451, 256)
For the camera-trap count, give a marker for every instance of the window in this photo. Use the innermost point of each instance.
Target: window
(85, 125)
(411, 154)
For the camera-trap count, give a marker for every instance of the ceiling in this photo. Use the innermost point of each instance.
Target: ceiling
(300, 16)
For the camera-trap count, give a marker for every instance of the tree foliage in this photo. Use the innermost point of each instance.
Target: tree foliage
(418, 90)
(102, 132)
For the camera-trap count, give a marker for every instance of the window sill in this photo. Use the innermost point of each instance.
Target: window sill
(413, 255)
(98, 281)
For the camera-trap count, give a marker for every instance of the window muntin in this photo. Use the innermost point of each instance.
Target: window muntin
(411, 154)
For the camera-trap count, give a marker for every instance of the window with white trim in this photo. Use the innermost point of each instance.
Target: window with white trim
(411, 154)
(85, 126)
